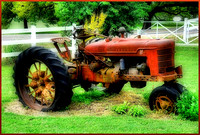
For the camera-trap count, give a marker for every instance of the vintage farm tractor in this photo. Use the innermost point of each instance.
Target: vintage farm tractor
(43, 82)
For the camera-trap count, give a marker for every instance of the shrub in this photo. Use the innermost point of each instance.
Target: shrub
(187, 106)
(88, 97)
(137, 111)
(121, 109)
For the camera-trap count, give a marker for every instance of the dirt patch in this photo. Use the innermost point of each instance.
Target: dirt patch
(96, 108)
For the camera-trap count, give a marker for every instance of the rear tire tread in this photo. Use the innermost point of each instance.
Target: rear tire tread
(63, 85)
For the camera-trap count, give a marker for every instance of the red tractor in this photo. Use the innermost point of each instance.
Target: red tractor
(43, 82)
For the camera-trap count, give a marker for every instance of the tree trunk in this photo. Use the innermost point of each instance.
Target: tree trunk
(147, 25)
(25, 24)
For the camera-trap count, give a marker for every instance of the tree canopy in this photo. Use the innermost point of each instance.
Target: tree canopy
(165, 11)
(28, 12)
(126, 14)
(7, 14)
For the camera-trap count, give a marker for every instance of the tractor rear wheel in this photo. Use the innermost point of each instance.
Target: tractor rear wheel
(163, 99)
(41, 80)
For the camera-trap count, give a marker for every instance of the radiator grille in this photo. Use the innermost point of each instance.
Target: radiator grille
(165, 60)
(165, 51)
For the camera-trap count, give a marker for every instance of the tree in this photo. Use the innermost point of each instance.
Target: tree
(74, 12)
(126, 14)
(159, 9)
(7, 14)
(47, 13)
(28, 12)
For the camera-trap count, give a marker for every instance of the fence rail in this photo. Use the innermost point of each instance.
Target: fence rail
(33, 40)
(187, 27)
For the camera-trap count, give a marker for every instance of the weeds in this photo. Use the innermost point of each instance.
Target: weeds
(137, 111)
(187, 106)
(134, 110)
(88, 97)
(122, 108)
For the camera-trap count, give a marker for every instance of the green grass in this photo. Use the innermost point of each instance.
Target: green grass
(14, 123)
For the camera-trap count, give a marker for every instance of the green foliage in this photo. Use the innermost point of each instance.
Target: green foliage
(134, 110)
(95, 24)
(188, 106)
(165, 11)
(137, 111)
(73, 12)
(25, 9)
(29, 11)
(119, 14)
(47, 12)
(121, 109)
(126, 14)
(12, 48)
(7, 14)
(87, 97)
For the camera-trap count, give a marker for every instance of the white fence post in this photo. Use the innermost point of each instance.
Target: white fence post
(185, 33)
(33, 35)
(73, 42)
(157, 30)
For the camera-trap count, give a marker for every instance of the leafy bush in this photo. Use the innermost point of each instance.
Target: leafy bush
(137, 111)
(121, 109)
(88, 97)
(187, 106)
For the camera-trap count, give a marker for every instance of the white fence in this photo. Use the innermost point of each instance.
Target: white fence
(187, 32)
(187, 27)
(33, 40)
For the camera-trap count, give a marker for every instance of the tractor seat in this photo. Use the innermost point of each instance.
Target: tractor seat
(60, 40)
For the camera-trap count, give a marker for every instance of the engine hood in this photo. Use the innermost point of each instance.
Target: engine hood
(126, 46)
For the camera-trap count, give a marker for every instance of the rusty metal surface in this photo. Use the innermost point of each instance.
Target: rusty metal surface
(110, 75)
(64, 54)
(126, 46)
(60, 40)
(42, 88)
(159, 54)
(147, 77)
(164, 104)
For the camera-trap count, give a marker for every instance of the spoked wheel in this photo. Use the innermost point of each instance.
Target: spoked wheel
(164, 103)
(41, 80)
(163, 99)
(41, 84)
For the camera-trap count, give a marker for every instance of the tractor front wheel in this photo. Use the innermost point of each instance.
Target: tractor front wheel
(163, 99)
(41, 80)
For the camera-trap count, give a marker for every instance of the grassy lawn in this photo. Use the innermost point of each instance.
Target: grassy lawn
(92, 124)
(113, 123)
